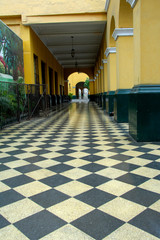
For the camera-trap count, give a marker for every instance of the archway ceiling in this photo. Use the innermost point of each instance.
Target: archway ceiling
(87, 40)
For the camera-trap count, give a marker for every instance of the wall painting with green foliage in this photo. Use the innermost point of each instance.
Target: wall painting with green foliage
(11, 55)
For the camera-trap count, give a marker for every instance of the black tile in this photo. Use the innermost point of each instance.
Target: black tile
(97, 224)
(148, 221)
(27, 168)
(91, 150)
(95, 197)
(8, 159)
(15, 152)
(121, 157)
(133, 179)
(55, 180)
(35, 159)
(143, 149)
(91, 145)
(125, 166)
(3, 222)
(157, 177)
(3, 146)
(42, 151)
(66, 151)
(141, 196)
(113, 144)
(93, 167)
(3, 167)
(39, 225)
(69, 145)
(92, 158)
(94, 180)
(9, 197)
(117, 150)
(49, 198)
(63, 158)
(155, 165)
(44, 146)
(60, 168)
(149, 156)
(17, 181)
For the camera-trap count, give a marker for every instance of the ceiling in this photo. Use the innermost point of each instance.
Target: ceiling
(86, 41)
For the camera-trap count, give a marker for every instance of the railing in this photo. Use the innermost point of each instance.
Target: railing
(21, 101)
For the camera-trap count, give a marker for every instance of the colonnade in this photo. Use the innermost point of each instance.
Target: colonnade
(127, 72)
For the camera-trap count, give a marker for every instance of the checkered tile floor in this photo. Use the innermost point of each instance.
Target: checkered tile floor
(77, 175)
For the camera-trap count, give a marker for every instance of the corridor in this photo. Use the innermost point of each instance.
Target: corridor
(78, 175)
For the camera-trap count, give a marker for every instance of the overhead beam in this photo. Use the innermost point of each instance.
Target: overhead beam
(64, 53)
(57, 34)
(79, 66)
(75, 45)
(64, 18)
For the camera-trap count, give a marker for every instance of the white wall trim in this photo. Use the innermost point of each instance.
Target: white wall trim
(107, 5)
(104, 61)
(122, 32)
(110, 50)
(91, 80)
(132, 2)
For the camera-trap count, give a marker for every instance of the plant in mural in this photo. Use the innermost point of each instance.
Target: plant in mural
(11, 55)
(12, 95)
(86, 83)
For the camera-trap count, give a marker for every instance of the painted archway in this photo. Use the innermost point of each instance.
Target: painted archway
(74, 79)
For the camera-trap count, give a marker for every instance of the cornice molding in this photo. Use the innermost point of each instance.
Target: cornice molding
(104, 61)
(91, 80)
(110, 50)
(107, 5)
(122, 32)
(132, 2)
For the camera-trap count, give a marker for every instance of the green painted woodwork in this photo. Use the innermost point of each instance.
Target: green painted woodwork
(144, 113)
(110, 102)
(104, 100)
(121, 101)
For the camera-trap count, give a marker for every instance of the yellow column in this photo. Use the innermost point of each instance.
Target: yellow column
(124, 57)
(146, 20)
(111, 68)
(27, 55)
(105, 79)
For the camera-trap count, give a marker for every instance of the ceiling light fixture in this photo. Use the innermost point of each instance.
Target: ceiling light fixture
(72, 50)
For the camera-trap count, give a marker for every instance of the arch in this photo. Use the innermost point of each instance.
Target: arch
(75, 79)
(112, 42)
(79, 85)
(125, 15)
(89, 71)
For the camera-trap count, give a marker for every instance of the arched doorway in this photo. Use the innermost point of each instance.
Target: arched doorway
(76, 83)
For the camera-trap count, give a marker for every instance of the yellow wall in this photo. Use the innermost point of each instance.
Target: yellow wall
(39, 49)
(125, 69)
(147, 47)
(43, 7)
(120, 15)
(75, 78)
(33, 45)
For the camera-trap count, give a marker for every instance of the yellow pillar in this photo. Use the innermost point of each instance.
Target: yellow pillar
(111, 68)
(124, 61)
(111, 75)
(144, 100)
(146, 20)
